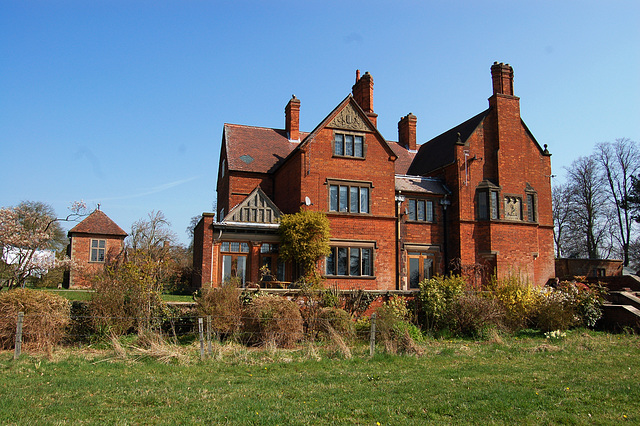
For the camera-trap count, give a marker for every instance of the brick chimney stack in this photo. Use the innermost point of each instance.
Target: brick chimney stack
(292, 118)
(363, 95)
(407, 131)
(502, 76)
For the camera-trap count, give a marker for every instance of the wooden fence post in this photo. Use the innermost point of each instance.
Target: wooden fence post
(209, 334)
(201, 332)
(372, 339)
(18, 346)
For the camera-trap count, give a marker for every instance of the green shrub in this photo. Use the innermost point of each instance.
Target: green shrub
(46, 317)
(273, 320)
(436, 297)
(362, 328)
(224, 305)
(395, 330)
(588, 300)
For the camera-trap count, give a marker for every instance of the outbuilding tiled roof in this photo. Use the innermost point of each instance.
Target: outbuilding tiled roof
(98, 223)
(256, 149)
(439, 151)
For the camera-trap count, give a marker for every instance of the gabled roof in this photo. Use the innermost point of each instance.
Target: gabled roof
(98, 223)
(256, 149)
(329, 122)
(439, 151)
(257, 207)
(419, 184)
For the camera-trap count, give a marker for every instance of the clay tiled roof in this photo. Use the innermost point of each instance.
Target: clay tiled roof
(256, 149)
(405, 157)
(98, 223)
(439, 151)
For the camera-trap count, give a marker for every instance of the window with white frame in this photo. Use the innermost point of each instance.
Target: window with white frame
(98, 248)
(348, 145)
(349, 197)
(234, 260)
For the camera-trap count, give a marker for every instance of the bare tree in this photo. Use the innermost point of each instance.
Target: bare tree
(634, 198)
(561, 218)
(588, 216)
(153, 236)
(619, 162)
(153, 244)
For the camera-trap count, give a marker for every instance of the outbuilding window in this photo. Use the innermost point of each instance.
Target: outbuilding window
(98, 248)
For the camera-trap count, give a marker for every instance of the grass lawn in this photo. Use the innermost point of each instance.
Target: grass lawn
(86, 295)
(585, 378)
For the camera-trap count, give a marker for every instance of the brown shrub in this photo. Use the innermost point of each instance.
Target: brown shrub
(273, 320)
(46, 317)
(126, 298)
(408, 346)
(225, 307)
(472, 315)
(336, 320)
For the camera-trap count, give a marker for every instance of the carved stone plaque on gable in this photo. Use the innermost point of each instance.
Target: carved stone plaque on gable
(349, 119)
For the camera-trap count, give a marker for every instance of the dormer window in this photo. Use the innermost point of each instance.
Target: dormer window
(348, 145)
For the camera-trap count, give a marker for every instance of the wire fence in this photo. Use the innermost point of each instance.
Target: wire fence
(35, 331)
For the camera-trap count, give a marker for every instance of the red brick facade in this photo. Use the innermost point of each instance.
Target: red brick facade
(478, 194)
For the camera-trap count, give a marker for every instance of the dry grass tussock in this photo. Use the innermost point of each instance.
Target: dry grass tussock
(149, 345)
(153, 345)
(46, 317)
(338, 342)
(545, 347)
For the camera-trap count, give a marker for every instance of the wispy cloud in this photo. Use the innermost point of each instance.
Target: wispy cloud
(149, 191)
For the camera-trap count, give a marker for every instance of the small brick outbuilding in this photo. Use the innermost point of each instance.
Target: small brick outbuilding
(93, 243)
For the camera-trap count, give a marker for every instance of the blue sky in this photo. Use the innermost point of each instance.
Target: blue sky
(122, 102)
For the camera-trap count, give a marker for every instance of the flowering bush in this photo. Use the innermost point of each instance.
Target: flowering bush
(519, 299)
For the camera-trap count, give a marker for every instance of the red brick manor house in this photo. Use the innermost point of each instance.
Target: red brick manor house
(478, 194)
